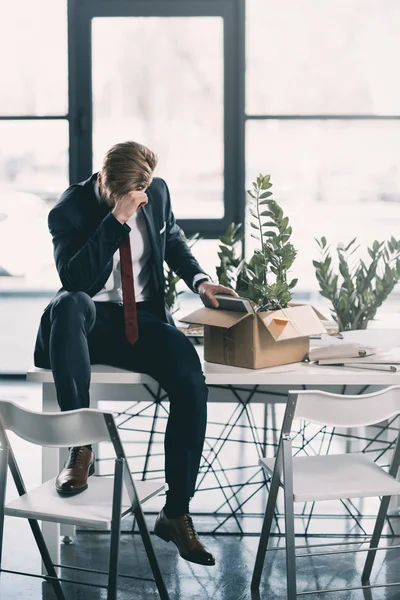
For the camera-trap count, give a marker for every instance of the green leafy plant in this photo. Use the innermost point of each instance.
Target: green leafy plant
(230, 256)
(171, 279)
(357, 290)
(264, 279)
(171, 293)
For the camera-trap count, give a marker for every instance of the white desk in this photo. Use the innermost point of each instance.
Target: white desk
(294, 374)
(112, 384)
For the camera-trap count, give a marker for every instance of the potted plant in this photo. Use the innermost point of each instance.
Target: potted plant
(357, 289)
(264, 278)
(268, 332)
(230, 256)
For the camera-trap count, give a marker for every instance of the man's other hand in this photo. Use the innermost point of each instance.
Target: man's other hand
(207, 291)
(127, 205)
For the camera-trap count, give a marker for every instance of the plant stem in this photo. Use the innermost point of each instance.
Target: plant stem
(261, 235)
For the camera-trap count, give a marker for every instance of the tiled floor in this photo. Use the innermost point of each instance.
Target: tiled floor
(228, 580)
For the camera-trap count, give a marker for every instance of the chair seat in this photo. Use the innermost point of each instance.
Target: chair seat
(335, 476)
(91, 508)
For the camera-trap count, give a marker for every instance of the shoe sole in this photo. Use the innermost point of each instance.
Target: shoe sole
(197, 562)
(82, 489)
(163, 535)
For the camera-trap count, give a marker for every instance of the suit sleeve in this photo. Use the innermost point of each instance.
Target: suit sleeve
(81, 261)
(177, 252)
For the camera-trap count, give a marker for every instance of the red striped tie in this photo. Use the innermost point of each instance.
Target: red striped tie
(128, 291)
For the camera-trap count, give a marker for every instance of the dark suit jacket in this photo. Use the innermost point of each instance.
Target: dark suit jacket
(86, 235)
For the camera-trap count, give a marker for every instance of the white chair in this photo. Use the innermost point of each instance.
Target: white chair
(340, 476)
(102, 505)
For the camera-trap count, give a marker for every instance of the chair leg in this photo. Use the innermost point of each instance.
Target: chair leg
(266, 530)
(376, 536)
(1, 531)
(50, 465)
(162, 590)
(115, 530)
(94, 403)
(46, 558)
(3, 485)
(289, 519)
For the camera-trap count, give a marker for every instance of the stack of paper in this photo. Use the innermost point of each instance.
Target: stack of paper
(357, 356)
(342, 350)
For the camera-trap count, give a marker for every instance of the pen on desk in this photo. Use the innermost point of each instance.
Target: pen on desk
(369, 366)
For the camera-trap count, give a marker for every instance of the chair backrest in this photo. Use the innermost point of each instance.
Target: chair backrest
(339, 410)
(72, 428)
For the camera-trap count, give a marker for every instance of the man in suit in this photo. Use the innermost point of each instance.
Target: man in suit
(111, 235)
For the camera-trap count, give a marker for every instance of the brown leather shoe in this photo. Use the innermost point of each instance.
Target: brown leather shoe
(181, 531)
(73, 477)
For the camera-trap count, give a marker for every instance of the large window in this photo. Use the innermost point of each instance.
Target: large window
(306, 57)
(33, 165)
(33, 138)
(169, 96)
(33, 47)
(337, 178)
(170, 74)
(323, 118)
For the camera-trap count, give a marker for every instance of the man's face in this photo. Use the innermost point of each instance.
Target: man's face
(110, 199)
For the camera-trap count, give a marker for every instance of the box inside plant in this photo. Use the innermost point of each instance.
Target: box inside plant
(277, 332)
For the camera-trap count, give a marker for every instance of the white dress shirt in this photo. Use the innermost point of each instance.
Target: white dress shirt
(141, 263)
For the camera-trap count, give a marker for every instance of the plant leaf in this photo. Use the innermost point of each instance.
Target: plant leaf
(266, 185)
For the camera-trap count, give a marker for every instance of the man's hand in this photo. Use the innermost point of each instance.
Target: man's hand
(207, 290)
(127, 205)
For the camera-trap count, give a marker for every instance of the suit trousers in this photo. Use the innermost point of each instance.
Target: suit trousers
(84, 332)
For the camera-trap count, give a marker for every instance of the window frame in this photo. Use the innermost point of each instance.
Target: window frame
(80, 15)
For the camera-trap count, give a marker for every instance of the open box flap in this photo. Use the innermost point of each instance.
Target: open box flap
(293, 322)
(215, 317)
(317, 312)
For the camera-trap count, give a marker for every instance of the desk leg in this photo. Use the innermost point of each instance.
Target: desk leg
(270, 407)
(265, 432)
(50, 464)
(274, 428)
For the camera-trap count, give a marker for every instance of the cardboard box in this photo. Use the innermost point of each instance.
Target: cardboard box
(257, 340)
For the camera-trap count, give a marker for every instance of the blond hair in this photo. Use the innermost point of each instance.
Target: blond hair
(127, 166)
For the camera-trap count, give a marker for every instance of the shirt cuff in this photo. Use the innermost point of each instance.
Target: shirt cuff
(197, 279)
